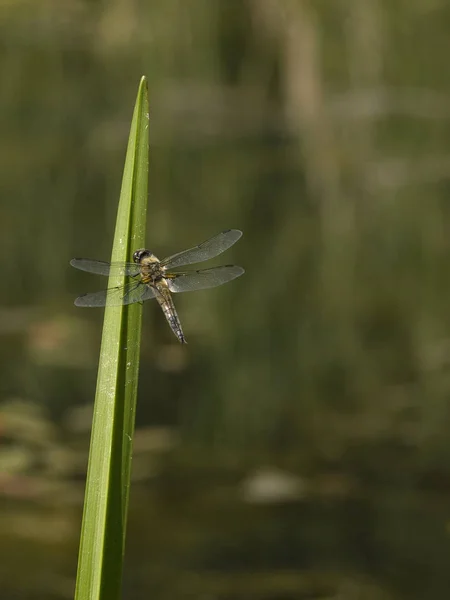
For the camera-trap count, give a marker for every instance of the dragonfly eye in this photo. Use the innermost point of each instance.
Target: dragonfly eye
(140, 254)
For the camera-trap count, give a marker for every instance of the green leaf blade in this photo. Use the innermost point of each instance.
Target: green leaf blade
(107, 488)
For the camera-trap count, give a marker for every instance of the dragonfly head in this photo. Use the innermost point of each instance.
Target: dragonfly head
(140, 255)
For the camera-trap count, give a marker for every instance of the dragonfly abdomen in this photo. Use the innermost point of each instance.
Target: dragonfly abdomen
(165, 301)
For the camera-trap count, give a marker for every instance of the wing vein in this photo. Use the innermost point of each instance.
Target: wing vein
(204, 251)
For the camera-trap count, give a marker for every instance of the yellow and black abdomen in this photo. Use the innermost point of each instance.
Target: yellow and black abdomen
(164, 298)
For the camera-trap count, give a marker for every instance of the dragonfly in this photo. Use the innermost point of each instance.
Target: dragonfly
(154, 278)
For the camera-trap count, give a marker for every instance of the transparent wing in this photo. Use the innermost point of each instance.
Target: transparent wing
(103, 268)
(125, 294)
(200, 280)
(209, 249)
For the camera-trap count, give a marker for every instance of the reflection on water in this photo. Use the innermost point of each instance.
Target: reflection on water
(204, 525)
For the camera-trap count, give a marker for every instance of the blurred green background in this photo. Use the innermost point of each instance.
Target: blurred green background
(299, 446)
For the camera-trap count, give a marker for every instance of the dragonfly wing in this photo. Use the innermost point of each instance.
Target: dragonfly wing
(202, 279)
(103, 268)
(209, 249)
(125, 294)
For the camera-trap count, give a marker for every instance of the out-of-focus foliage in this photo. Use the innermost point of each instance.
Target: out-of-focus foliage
(299, 446)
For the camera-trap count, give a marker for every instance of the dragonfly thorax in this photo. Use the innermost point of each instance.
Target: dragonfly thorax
(151, 270)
